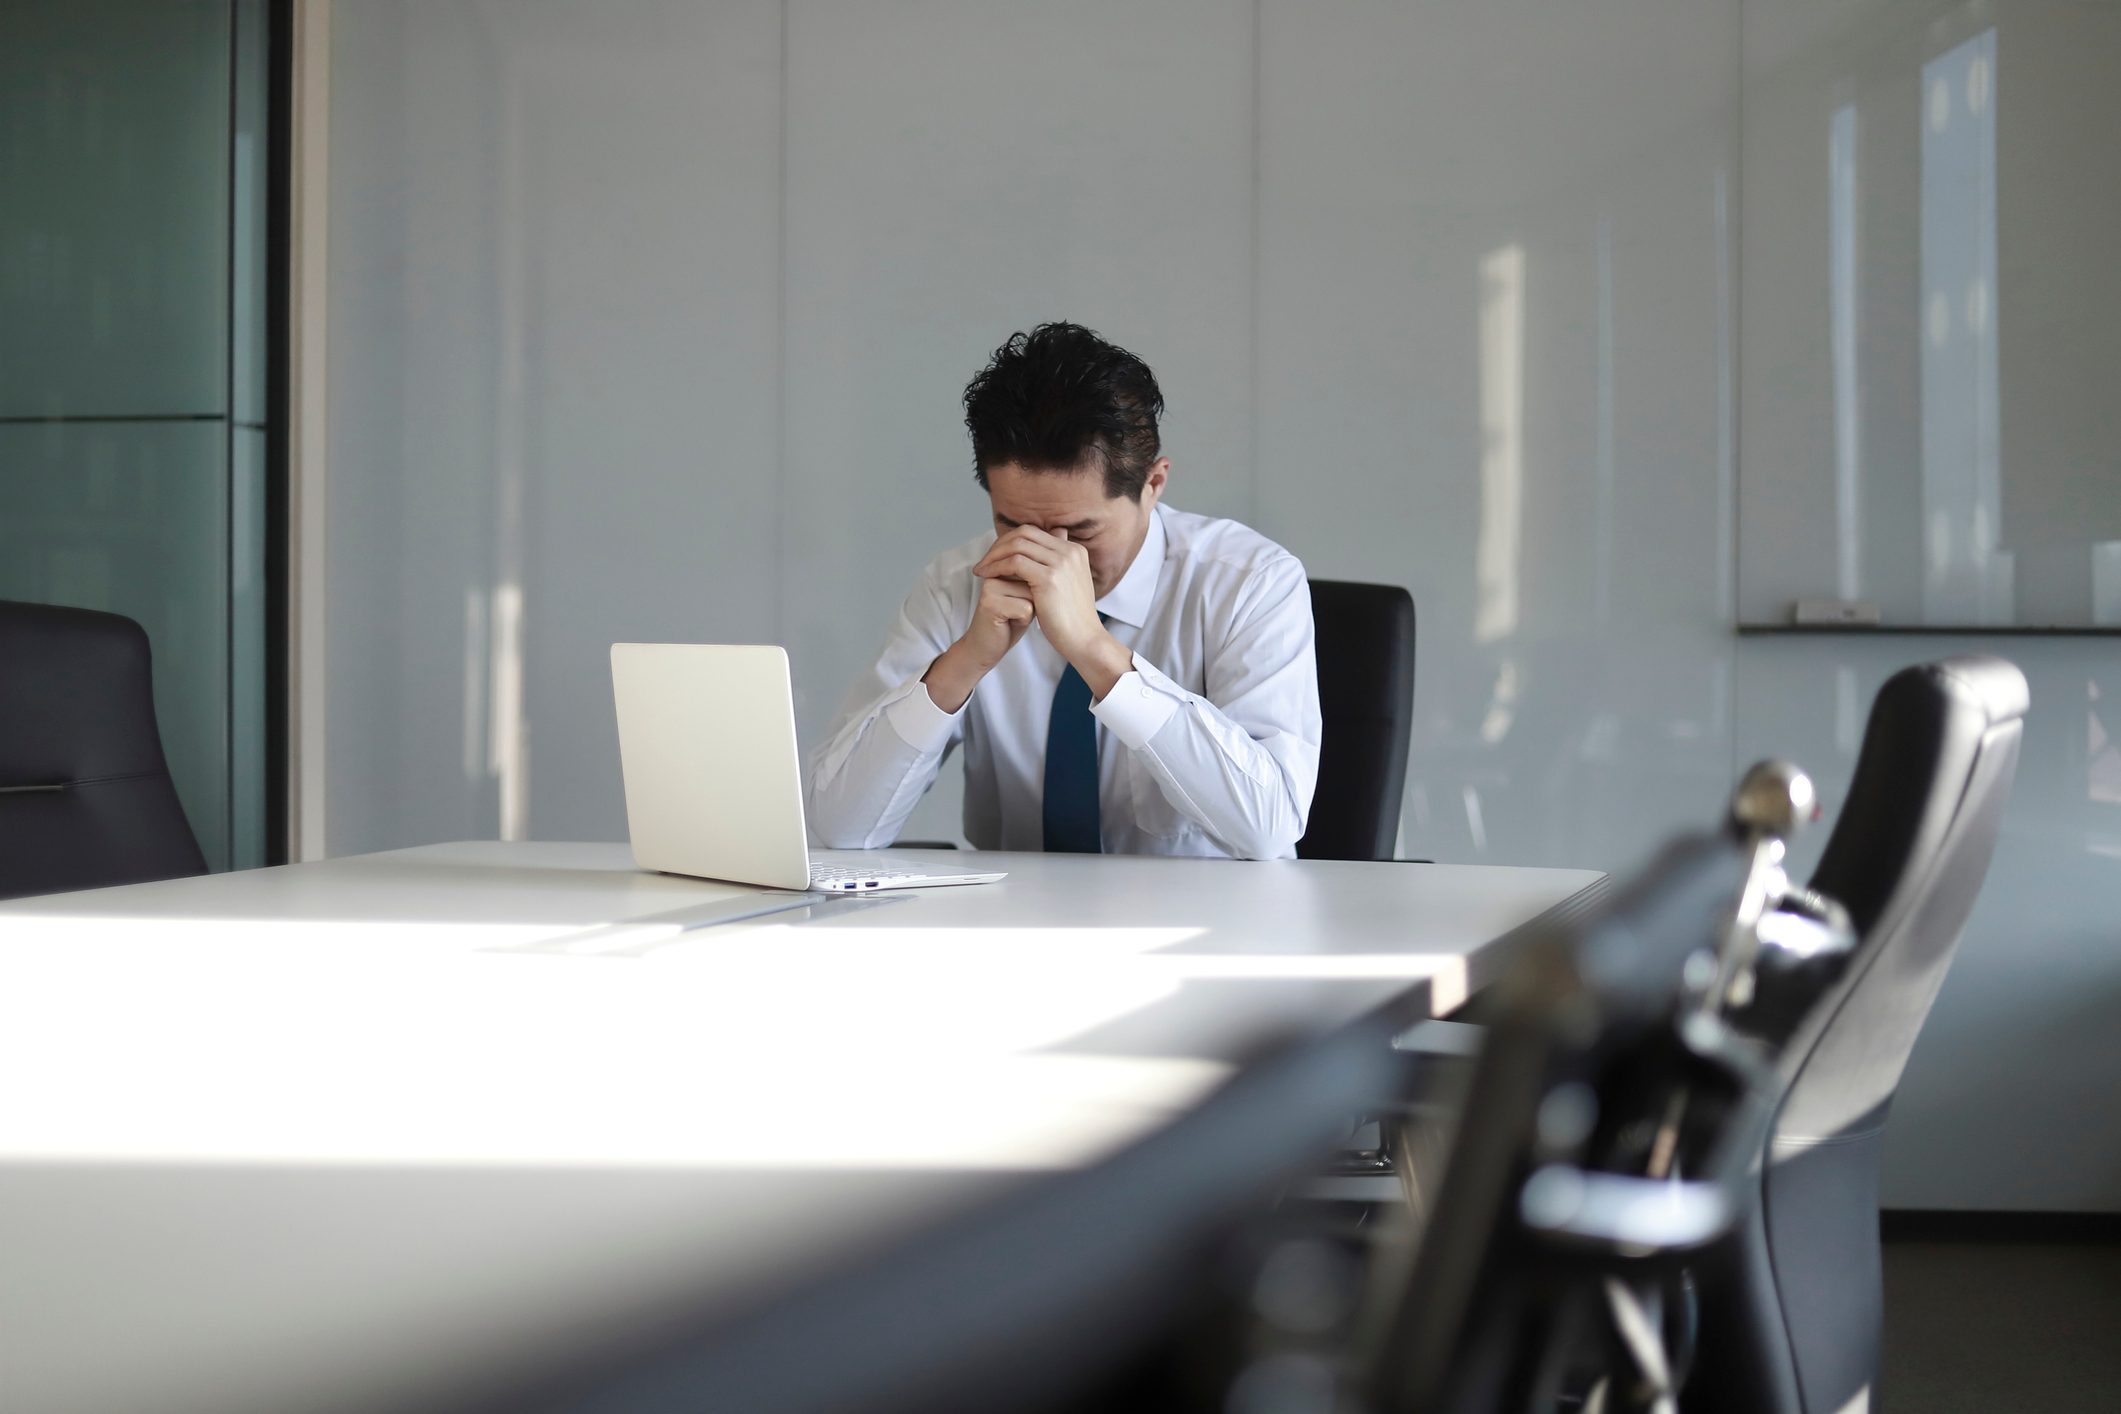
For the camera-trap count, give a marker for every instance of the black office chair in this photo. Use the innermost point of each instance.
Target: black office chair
(1615, 1112)
(85, 794)
(1608, 1137)
(1793, 1306)
(1366, 695)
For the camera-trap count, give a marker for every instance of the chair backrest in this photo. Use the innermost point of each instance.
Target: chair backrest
(1799, 1305)
(1366, 697)
(85, 794)
(1907, 857)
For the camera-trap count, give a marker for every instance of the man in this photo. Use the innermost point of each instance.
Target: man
(1125, 677)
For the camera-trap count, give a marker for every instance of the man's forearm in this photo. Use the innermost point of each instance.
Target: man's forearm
(872, 771)
(1251, 798)
(1246, 780)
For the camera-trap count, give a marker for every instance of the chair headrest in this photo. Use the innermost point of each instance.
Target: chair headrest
(1995, 684)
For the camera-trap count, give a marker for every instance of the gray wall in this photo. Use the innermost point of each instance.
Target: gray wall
(648, 321)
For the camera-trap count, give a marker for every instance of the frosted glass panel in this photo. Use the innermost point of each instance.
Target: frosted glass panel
(114, 143)
(133, 518)
(1929, 362)
(1494, 368)
(555, 393)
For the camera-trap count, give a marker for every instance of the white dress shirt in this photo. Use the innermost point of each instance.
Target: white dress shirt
(1209, 746)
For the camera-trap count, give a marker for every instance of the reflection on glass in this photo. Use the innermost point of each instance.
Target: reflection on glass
(2102, 754)
(1502, 705)
(1726, 409)
(247, 619)
(2106, 583)
(508, 738)
(1502, 443)
(1848, 712)
(1602, 508)
(1476, 822)
(475, 706)
(1966, 578)
(1841, 209)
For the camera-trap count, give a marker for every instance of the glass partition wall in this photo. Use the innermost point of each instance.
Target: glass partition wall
(1928, 296)
(137, 426)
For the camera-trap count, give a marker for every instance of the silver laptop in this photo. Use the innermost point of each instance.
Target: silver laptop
(713, 788)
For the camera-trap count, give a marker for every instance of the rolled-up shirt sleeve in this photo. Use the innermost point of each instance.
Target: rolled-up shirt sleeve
(1240, 759)
(890, 739)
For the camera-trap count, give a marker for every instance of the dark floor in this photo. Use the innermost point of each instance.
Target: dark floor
(2001, 1328)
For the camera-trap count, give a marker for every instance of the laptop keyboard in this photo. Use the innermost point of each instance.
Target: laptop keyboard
(841, 876)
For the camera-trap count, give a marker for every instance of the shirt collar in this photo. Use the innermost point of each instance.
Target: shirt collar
(1131, 598)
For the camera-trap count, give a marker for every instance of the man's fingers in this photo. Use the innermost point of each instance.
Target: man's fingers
(1013, 566)
(1014, 611)
(1054, 549)
(1007, 598)
(1059, 546)
(1028, 540)
(1049, 549)
(996, 560)
(1005, 586)
(1006, 542)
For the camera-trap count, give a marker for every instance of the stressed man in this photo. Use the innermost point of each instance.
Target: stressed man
(1124, 677)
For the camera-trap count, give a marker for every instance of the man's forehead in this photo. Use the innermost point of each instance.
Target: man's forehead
(1047, 498)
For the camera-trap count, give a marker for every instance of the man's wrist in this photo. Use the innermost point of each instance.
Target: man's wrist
(1103, 664)
(952, 676)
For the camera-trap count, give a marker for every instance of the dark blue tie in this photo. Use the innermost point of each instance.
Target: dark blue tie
(1071, 770)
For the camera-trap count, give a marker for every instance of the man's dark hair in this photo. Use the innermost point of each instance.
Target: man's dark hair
(1054, 398)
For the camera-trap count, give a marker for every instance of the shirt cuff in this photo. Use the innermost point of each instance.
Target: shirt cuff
(1139, 704)
(919, 722)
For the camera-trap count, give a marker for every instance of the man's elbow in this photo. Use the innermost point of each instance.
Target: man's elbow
(1275, 837)
(1269, 839)
(836, 839)
(828, 833)
(826, 830)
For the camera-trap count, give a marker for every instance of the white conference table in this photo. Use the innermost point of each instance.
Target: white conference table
(357, 1133)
